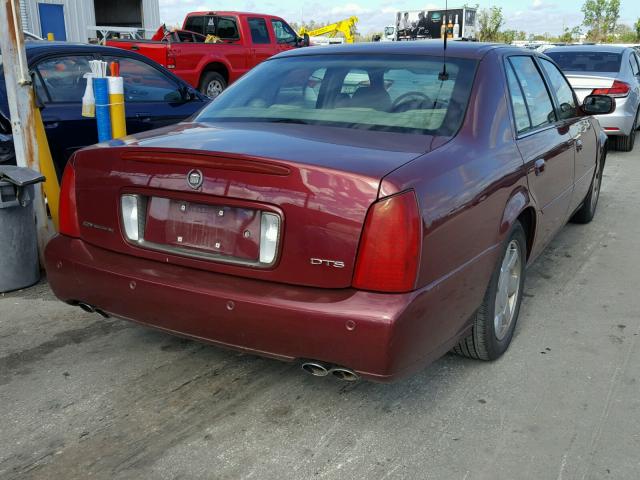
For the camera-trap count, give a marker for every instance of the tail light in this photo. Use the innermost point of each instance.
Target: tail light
(617, 90)
(389, 251)
(171, 60)
(68, 222)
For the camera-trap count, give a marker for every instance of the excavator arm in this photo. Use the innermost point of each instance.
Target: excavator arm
(347, 27)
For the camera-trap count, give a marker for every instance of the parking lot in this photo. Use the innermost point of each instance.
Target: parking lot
(83, 397)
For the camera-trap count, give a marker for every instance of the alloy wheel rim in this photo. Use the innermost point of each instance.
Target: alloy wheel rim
(214, 89)
(508, 290)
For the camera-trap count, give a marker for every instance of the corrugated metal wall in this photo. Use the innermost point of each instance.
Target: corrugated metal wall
(24, 15)
(151, 14)
(79, 14)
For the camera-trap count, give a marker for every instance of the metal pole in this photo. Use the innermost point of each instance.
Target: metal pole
(20, 96)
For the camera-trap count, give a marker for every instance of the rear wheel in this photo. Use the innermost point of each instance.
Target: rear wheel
(624, 143)
(495, 320)
(212, 84)
(588, 209)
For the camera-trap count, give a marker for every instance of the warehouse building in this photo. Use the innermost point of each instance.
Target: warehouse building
(75, 20)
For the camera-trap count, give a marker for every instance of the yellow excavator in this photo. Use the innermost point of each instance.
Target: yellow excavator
(347, 27)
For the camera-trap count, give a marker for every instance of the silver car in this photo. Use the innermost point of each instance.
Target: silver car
(605, 70)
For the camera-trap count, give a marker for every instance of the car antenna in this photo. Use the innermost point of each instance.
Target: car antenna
(443, 75)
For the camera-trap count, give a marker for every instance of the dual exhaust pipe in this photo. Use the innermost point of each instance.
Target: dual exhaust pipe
(91, 309)
(321, 369)
(315, 368)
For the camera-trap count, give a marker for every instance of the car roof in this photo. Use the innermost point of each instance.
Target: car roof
(40, 48)
(463, 49)
(589, 48)
(222, 13)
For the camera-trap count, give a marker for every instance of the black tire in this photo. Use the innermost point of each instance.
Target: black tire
(625, 143)
(588, 209)
(483, 342)
(212, 84)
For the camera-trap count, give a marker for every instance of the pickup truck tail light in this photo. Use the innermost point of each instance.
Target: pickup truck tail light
(68, 221)
(389, 251)
(617, 90)
(171, 60)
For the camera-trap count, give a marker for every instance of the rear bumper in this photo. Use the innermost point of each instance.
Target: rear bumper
(620, 122)
(380, 336)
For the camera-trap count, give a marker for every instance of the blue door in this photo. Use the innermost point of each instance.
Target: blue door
(52, 20)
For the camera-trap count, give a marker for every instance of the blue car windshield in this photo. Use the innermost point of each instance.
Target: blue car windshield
(399, 93)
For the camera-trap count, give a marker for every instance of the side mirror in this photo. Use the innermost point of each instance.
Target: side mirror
(304, 41)
(598, 105)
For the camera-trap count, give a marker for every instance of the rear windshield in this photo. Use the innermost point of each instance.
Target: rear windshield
(374, 92)
(587, 61)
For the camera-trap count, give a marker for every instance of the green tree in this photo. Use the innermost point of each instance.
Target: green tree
(625, 34)
(570, 35)
(489, 22)
(507, 36)
(601, 17)
(636, 26)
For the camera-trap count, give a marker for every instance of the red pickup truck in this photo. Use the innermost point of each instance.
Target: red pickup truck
(241, 41)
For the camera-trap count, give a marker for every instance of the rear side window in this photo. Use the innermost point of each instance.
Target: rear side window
(227, 28)
(63, 78)
(284, 33)
(562, 89)
(517, 101)
(634, 64)
(587, 61)
(144, 83)
(259, 32)
(536, 96)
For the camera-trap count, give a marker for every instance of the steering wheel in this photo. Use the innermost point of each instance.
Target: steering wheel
(408, 100)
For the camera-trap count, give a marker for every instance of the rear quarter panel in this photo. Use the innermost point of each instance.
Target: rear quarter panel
(469, 192)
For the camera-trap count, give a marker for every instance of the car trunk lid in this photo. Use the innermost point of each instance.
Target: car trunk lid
(205, 193)
(583, 84)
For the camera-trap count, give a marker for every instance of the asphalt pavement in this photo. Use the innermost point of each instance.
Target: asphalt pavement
(82, 397)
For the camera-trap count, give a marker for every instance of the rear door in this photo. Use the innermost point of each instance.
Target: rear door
(60, 86)
(152, 98)
(262, 43)
(545, 143)
(580, 128)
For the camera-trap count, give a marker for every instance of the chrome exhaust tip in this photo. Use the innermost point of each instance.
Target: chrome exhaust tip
(345, 374)
(86, 307)
(316, 369)
(102, 313)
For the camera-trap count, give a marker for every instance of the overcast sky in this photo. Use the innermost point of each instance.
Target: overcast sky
(533, 16)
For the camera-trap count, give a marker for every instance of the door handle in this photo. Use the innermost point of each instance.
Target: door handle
(143, 117)
(579, 145)
(539, 166)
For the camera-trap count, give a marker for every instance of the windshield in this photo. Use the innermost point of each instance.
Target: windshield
(587, 61)
(396, 93)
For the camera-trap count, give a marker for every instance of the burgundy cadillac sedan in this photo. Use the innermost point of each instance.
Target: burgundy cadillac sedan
(361, 210)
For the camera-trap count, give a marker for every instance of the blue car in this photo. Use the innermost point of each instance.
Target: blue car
(154, 96)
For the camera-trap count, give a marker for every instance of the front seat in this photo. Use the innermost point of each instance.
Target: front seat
(376, 98)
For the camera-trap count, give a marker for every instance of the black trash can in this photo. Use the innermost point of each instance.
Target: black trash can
(19, 264)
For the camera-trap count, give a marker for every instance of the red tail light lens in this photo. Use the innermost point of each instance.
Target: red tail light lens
(69, 224)
(617, 90)
(389, 251)
(171, 61)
